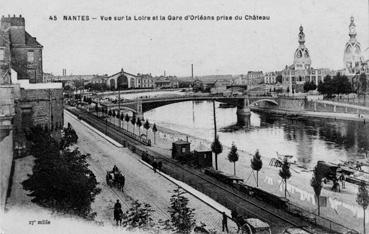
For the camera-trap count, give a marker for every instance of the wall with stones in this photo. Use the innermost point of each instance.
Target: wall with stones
(42, 107)
(6, 159)
(322, 107)
(31, 71)
(46, 106)
(288, 103)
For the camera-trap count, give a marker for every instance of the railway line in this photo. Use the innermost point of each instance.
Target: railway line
(278, 219)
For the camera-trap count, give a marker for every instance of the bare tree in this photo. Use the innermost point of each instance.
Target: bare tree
(362, 199)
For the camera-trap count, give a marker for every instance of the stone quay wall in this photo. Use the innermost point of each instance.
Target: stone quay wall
(300, 104)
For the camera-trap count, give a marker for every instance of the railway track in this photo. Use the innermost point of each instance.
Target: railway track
(279, 220)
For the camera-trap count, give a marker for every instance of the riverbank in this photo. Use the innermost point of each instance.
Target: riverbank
(341, 207)
(313, 114)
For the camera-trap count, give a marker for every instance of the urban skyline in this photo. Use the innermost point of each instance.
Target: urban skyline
(238, 47)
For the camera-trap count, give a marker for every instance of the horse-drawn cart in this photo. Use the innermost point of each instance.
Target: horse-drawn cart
(115, 178)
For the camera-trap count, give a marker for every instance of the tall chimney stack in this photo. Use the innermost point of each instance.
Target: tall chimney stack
(192, 68)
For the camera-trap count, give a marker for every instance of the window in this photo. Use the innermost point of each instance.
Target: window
(2, 54)
(30, 56)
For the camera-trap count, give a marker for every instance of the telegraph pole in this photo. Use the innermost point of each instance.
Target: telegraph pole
(215, 121)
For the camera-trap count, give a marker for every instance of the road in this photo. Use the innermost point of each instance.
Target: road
(141, 182)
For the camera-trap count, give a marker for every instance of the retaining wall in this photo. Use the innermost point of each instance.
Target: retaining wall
(6, 159)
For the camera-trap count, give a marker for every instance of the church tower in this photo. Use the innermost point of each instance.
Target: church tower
(302, 60)
(352, 55)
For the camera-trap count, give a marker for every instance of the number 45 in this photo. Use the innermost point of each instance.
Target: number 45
(53, 17)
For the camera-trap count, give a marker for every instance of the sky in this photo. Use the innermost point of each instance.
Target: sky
(214, 47)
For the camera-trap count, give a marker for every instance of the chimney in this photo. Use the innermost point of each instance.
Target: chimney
(192, 71)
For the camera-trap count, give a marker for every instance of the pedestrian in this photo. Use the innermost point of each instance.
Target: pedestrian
(154, 165)
(342, 178)
(336, 185)
(224, 222)
(117, 205)
(160, 165)
(234, 216)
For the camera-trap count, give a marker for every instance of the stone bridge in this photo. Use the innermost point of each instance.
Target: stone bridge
(139, 106)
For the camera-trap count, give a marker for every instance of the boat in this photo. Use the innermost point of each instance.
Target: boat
(290, 158)
(226, 105)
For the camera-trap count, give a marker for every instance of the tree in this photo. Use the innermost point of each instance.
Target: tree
(69, 138)
(362, 199)
(216, 148)
(139, 124)
(139, 216)
(363, 83)
(61, 179)
(181, 216)
(316, 183)
(309, 86)
(147, 127)
(337, 85)
(285, 174)
(127, 118)
(256, 165)
(154, 130)
(133, 122)
(233, 157)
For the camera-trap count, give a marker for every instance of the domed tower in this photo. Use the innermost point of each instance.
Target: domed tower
(352, 54)
(302, 58)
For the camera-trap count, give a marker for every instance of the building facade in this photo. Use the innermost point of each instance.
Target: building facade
(254, 78)
(145, 81)
(21, 81)
(26, 51)
(271, 77)
(352, 56)
(166, 82)
(301, 71)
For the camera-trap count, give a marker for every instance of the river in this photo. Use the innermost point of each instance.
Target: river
(309, 140)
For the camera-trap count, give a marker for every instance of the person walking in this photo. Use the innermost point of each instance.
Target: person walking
(342, 178)
(224, 222)
(118, 213)
(117, 205)
(154, 165)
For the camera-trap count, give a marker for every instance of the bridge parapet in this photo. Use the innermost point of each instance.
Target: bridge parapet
(138, 107)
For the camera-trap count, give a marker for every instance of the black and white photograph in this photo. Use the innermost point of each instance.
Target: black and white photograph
(184, 116)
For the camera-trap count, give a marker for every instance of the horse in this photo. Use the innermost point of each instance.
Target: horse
(120, 181)
(118, 216)
(109, 178)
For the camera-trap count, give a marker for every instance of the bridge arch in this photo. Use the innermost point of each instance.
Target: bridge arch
(271, 101)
